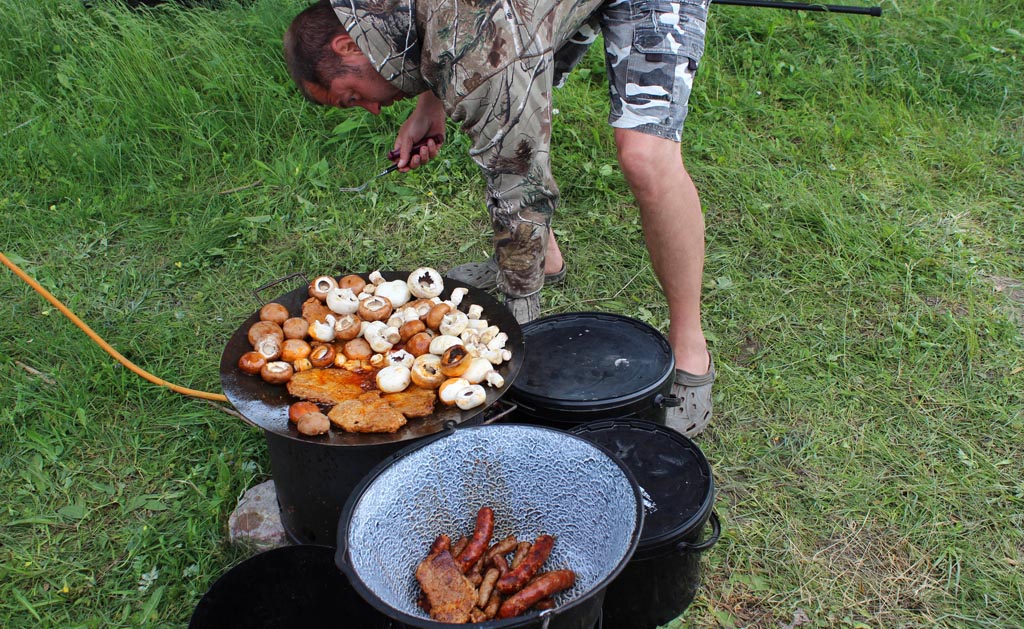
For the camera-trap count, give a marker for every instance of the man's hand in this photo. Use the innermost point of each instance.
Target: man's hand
(426, 120)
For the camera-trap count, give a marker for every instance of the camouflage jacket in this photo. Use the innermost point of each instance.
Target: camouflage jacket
(493, 64)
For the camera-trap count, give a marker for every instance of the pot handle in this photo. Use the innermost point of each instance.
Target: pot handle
(716, 533)
(667, 401)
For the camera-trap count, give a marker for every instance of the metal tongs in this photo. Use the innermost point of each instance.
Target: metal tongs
(393, 156)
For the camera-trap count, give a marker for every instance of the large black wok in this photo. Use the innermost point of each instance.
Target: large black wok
(314, 475)
(266, 406)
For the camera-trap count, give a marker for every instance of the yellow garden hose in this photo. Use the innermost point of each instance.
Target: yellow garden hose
(216, 397)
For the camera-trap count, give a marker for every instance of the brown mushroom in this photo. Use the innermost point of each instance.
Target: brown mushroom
(455, 361)
(436, 314)
(347, 327)
(295, 328)
(313, 424)
(252, 362)
(300, 408)
(375, 308)
(318, 288)
(323, 356)
(355, 282)
(419, 344)
(357, 349)
(274, 312)
(262, 329)
(294, 349)
(277, 372)
(411, 328)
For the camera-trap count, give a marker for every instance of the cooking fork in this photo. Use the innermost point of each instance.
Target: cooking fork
(393, 156)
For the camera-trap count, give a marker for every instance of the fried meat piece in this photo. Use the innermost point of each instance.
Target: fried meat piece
(314, 310)
(413, 402)
(449, 595)
(367, 413)
(330, 386)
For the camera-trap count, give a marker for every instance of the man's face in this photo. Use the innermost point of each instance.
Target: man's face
(362, 87)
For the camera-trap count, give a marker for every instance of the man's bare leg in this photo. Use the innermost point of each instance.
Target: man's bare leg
(674, 230)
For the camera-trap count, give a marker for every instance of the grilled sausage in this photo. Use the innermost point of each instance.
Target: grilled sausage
(519, 576)
(521, 549)
(443, 542)
(459, 546)
(544, 586)
(492, 605)
(481, 538)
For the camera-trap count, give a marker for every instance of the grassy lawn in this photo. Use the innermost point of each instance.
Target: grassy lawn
(863, 183)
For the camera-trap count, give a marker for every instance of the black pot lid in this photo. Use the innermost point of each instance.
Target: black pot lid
(674, 475)
(574, 360)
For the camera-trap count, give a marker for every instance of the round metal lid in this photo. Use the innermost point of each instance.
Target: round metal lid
(673, 474)
(577, 360)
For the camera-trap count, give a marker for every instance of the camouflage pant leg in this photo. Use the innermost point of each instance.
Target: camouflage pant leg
(652, 49)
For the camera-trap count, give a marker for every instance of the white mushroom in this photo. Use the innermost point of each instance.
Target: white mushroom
(495, 379)
(477, 324)
(457, 295)
(498, 342)
(393, 378)
(396, 291)
(477, 370)
(401, 357)
(376, 334)
(376, 278)
(440, 343)
(323, 330)
(450, 389)
(475, 311)
(425, 283)
(342, 300)
(470, 397)
(453, 323)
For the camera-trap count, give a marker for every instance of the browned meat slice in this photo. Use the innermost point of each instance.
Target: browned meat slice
(367, 413)
(413, 402)
(449, 595)
(330, 386)
(314, 310)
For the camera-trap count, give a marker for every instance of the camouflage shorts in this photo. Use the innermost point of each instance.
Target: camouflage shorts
(652, 48)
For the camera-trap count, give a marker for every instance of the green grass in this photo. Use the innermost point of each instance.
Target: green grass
(862, 181)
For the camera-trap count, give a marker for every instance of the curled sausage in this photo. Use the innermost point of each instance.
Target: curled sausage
(544, 586)
(499, 562)
(487, 587)
(481, 538)
(503, 547)
(518, 577)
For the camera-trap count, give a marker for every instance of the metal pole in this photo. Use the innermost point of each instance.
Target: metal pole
(800, 6)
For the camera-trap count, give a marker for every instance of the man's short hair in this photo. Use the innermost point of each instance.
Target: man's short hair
(307, 48)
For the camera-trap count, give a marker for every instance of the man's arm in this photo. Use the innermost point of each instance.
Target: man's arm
(427, 119)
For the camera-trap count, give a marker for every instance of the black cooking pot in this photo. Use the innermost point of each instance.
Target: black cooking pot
(663, 577)
(589, 366)
(314, 475)
(294, 586)
(536, 479)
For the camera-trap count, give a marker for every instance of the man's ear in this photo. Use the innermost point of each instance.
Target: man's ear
(344, 47)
